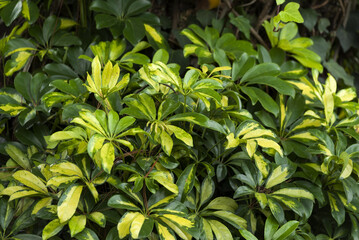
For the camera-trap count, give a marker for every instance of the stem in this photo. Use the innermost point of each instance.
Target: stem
(185, 103)
(144, 195)
(153, 165)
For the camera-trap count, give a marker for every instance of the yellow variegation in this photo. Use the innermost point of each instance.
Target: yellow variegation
(220, 230)
(67, 168)
(30, 180)
(279, 175)
(164, 232)
(77, 224)
(68, 202)
(123, 226)
(136, 225)
(41, 204)
(294, 192)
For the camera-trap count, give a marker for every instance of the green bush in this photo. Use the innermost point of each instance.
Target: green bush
(107, 131)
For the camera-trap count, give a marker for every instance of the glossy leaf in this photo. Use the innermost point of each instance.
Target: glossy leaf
(68, 202)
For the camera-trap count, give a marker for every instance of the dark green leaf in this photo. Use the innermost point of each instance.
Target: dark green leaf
(11, 11)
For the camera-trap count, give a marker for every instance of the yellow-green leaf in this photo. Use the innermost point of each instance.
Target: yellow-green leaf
(96, 72)
(30, 180)
(304, 136)
(180, 221)
(67, 168)
(165, 179)
(207, 190)
(166, 143)
(267, 143)
(52, 228)
(262, 199)
(295, 193)
(41, 204)
(13, 189)
(207, 229)
(180, 232)
(223, 203)
(279, 175)
(251, 147)
(125, 222)
(220, 230)
(258, 133)
(107, 156)
(236, 221)
(77, 224)
(181, 135)
(23, 193)
(164, 233)
(136, 225)
(56, 181)
(232, 142)
(261, 164)
(98, 218)
(18, 156)
(68, 202)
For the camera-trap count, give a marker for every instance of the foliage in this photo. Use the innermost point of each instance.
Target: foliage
(107, 132)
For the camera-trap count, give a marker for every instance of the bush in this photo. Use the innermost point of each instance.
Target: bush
(112, 131)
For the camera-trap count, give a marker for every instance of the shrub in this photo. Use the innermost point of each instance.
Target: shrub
(111, 134)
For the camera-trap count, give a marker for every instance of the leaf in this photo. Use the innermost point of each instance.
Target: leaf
(68, 202)
(261, 70)
(266, 101)
(247, 235)
(281, 86)
(295, 193)
(18, 156)
(337, 208)
(98, 218)
(279, 175)
(220, 230)
(223, 203)
(181, 135)
(125, 222)
(242, 23)
(134, 30)
(165, 179)
(107, 154)
(155, 38)
(122, 202)
(77, 224)
(164, 232)
(286, 230)
(276, 210)
(166, 142)
(52, 228)
(67, 168)
(167, 107)
(207, 190)
(41, 204)
(161, 55)
(87, 234)
(11, 11)
(6, 213)
(30, 180)
(279, 2)
(267, 143)
(291, 13)
(231, 218)
(16, 62)
(270, 228)
(199, 119)
(141, 226)
(186, 181)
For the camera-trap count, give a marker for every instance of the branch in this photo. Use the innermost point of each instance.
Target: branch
(253, 31)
